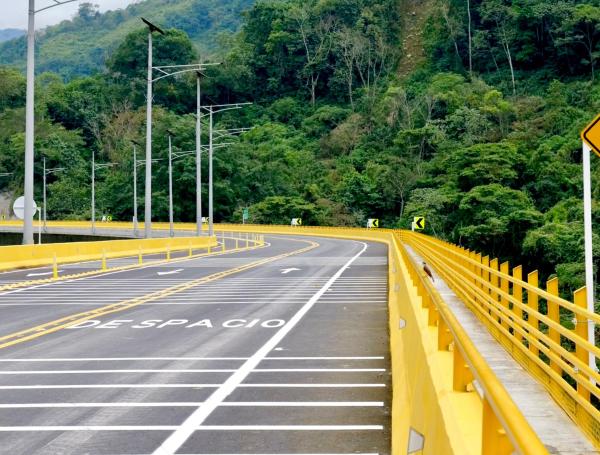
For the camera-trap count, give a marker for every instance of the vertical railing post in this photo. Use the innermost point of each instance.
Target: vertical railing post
(517, 293)
(554, 315)
(462, 375)
(494, 440)
(504, 285)
(580, 300)
(532, 303)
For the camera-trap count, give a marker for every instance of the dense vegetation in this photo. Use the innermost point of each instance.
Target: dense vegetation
(481, 137)
(82, 45)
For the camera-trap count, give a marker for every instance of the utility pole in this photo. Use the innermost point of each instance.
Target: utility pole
(213, 109)
(93, 193)
(171, 229)
(30, 119)
(198, 157)
(135, 200)
(148, 196)
(29, 127)
(211, 231)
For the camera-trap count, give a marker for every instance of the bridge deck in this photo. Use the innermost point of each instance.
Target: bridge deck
(290, 356)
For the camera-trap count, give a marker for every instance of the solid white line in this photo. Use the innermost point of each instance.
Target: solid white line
(288, 427)
(201, 428)
(179, 436)
(229, 370)
(25, 372)
(110, 359)
(176, 404)
(182, 386)
(301, 404)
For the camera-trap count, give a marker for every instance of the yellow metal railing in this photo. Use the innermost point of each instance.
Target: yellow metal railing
(545, 333)
(504, 430)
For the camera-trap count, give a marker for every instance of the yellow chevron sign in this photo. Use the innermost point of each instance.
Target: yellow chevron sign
(419, 223)
(591, 135)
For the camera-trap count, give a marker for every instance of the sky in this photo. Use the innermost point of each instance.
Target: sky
(14, 12)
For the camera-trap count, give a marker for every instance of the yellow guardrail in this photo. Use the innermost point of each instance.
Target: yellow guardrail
(545, 333)
(23, 256)
(503, 428)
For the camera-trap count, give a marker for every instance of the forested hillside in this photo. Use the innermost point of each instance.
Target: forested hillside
(478, 131)
(82, 45)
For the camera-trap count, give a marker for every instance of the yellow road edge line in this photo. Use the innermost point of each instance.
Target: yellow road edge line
(24, 284)
(59, 324)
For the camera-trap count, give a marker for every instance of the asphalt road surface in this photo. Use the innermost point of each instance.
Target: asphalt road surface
(277, 350)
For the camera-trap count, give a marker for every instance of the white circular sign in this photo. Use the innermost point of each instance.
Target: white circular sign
(19, 208)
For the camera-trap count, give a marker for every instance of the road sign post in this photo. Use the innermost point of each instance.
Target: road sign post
(591, 141)
(19, 211)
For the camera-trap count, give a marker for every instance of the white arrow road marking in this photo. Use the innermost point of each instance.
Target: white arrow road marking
(286, 271)
(170, 272)
(42, 273)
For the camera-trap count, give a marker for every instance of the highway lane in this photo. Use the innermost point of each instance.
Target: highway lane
(287, 357)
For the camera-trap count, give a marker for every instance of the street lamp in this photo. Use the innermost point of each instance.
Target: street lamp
(168, 71)
(214, 109)
(30, 119)
(148, 197)
(94, 168)
(171, 230)
(46, 173)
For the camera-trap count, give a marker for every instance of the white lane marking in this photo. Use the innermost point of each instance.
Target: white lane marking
(172, 444)
(230, 370)
(101, 276)
(184, 386)
(326, 404)
(202, 428)
(170, 272)
(43, 273)
(288, 427)
(291, 269)
(177, 404)
(110, 359)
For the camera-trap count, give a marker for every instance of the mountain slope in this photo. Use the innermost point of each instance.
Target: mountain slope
(10, 33)
(81, 46)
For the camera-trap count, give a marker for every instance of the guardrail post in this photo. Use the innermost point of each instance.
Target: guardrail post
(168, 253)
(104, 259)
(532, 303)
(580, 300)
(236, 244)
(517, 293)
(485, 275)
(494, 440)
(208, 250)
(444, 335)
(54, 268)
(462, 375)
(553, 314)
(247, 241)
(493, 280)
(504, 269)
(190, 252)
(140, 257)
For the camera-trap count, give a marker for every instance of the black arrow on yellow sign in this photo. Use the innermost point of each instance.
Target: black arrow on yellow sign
(419, 222)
